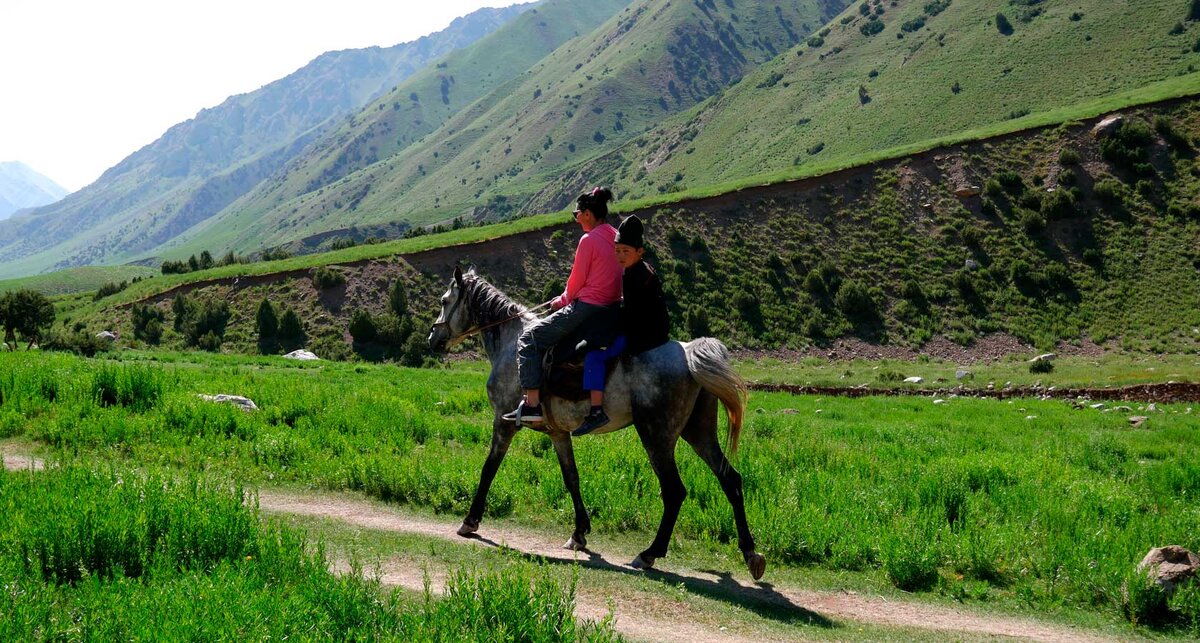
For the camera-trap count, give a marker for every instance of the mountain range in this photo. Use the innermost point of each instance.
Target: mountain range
(650, 96)
(21, 187)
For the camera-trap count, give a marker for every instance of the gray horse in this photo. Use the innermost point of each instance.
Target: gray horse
(666, 393)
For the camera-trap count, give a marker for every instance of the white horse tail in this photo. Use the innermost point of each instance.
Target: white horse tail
(708, 361)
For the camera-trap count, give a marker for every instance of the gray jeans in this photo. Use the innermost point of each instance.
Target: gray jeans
(544, 335)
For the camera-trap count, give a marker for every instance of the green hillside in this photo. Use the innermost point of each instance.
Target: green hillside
(651, 60)
(78, 280)
(1074, 238)
(201, 165)
(886, 75)
(402, 116)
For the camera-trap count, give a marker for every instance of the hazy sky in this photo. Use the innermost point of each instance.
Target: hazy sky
(83, 84)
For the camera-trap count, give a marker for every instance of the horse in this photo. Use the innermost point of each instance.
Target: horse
(666, 393)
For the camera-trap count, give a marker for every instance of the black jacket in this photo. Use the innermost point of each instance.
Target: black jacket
(644, 318)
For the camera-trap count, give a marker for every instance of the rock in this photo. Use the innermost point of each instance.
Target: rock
(107, 335)
(1169, 566)
(1030, 417)
(971, 264)
(301, 354)
(1153, 408)
(914, 380)
(1122, 408)
(939, 401)
(991, 386)
(964, 375)
(789, 411)
(927, 206)
(1108, 126)
(967, 191)
(244, 403)
(1098, 405)
(1044, 357)
(1137, 420)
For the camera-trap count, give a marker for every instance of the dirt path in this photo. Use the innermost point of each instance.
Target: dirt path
(636, 619)
(643, 615)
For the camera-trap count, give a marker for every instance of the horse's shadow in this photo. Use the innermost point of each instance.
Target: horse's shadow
(762, 599)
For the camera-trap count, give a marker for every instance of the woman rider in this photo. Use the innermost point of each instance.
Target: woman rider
(644, 321)
(594, 284)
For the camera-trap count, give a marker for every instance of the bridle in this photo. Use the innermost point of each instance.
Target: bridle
(477, 329)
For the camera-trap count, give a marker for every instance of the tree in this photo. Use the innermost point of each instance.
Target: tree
(398, 299)
(291, 330)
(267, 325)
(362, 327)
(27, 312)
(206, 260)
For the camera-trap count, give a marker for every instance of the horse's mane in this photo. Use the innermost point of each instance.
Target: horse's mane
(489, 303)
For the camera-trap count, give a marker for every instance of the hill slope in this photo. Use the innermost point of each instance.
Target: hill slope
(653, 59)
(199, 166)
(890, 74)
(21, 187)
(404, 115)
(1074, 238)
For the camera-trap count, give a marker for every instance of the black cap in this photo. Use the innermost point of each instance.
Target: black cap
(629, 233)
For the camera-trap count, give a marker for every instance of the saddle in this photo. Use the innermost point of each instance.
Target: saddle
(564, 363)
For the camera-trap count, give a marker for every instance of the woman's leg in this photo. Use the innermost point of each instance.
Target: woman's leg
(541, 337)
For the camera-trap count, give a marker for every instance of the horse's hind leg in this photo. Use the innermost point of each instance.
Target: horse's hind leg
(701, 433)
(660, 446)
(566, 461)
(502, 434)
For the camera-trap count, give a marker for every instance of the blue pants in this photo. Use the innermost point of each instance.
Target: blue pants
(596, 362)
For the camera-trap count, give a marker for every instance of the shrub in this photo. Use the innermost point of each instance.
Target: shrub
(915, 24)
(1011, 182)
(414, 351)
(1032, 222)
(201, 319)
(1127, 147)
(1068, 156)
(1003, 25)
(1059, 204)
(871, 27)
(1110, 191)
(78, 342)
(854, 301)
(1067, 177)
(398, 299)
(936, 7)
(696, 321)
(109, 289)
(910, 560)
(325, 277)
(1041, 366)
(815, 41)
(362, 327)
(147, 323)
(291, 330)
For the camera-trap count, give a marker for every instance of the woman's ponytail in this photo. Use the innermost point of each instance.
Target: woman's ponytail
(596, 201)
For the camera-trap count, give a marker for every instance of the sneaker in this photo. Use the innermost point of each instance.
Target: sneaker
(594, 420)
(524, 414)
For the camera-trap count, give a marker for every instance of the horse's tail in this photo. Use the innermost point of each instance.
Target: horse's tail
(708, 361)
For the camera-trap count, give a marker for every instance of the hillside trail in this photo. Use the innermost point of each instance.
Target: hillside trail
(643, 615)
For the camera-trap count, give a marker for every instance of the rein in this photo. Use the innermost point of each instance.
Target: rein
(478, 329)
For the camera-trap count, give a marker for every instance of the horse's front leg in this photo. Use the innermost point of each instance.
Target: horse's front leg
(502, 435)
(566, 460)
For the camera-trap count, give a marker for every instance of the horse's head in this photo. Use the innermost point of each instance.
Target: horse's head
(453, 321)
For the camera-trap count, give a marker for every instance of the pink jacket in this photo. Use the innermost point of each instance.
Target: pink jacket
(596, 275)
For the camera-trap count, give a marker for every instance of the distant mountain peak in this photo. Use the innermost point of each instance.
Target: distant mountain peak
(22, 187)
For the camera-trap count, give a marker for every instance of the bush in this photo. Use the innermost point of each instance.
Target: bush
(147, 323)
(1127, 147)
(1068, 156)
(291, 330)
(855, 302)
(1110, 191)
(1003, 25)
(325, 277)
(266, 324)
(910, 559)
(362, 327)
(414, 351)
(1059, 204)
(78, 342)
(1041, 366)
(109, 289)
(696, 321)
(1032, 222)
(871, 27)
(199, 319)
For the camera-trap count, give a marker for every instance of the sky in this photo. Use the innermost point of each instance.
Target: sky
(83, 84)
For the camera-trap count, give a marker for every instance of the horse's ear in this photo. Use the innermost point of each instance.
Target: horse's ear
(458, 276)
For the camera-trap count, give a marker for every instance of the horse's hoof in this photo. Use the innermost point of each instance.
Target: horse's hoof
(642, 562)
(574, 544)
(757, 564)
(467, 528)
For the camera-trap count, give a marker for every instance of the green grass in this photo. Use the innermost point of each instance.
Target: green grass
(77, 280)
(114, 554)
(1024, 501)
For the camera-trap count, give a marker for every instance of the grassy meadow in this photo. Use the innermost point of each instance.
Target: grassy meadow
(1028, 502)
